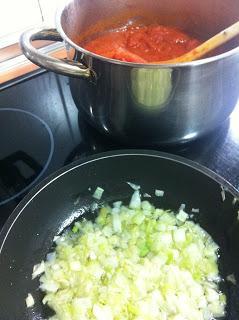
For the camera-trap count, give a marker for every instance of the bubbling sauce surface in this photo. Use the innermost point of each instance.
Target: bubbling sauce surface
(142, 44)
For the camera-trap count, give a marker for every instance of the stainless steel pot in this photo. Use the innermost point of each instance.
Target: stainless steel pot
(140, 103)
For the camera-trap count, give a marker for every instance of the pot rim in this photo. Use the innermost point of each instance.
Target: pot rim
(199, 62)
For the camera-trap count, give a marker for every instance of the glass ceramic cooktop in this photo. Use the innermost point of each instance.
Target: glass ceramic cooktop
(41, 130)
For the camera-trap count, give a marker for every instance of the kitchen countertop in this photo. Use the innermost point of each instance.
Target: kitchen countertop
(48, 97)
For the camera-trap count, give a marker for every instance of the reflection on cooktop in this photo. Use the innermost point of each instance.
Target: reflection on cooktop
(93, 142)
(27, 153)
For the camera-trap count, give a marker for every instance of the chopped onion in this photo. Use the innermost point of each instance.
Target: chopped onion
(116, 222)
(133, 185)
(134, 262)
(179, 235)
(49, 285)
(102, 312)
(182, 207)
(135, 201)
(159, 193)
(182, 216)
(117, 204)
(38, 269)
(56, 238)
(147, 195)
(29, 301)
(98, 193)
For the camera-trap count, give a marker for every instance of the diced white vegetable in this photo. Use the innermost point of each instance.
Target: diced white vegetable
(147, 195)
(135, 201)
(102, 312)
(38, 269)
(166, 239)
(92, 255)
(107, 231)
(133, 185)
(98, 193)
(145, 205)
(115, 210)
(159, 193)
(195, 210)
(117, 204)
(56, 238)
(75, 265)
(182, 216)
(116, 222)
(182, 207)
(29, 301)
(55, 267)
(217, 309)
(212, 295)
(179, 235)
(134, 262)
(49, 285)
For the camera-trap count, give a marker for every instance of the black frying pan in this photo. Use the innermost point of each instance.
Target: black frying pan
(29, 232)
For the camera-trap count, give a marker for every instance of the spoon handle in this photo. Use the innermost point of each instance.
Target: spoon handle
(207, 46)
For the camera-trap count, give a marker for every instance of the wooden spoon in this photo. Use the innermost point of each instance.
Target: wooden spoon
(207, 46)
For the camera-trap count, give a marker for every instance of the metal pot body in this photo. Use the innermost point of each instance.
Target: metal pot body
(144, 104)
(162, 105)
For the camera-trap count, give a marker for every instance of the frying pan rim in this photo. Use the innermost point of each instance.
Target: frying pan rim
(12, 219)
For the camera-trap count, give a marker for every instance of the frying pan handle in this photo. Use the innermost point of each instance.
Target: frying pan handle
(62, 66)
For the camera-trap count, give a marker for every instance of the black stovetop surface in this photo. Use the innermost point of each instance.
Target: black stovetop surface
(41, 131)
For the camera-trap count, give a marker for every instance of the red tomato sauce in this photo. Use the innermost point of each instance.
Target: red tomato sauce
(143, 44)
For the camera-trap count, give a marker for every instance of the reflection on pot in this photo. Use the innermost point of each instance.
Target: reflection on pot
(151, 88)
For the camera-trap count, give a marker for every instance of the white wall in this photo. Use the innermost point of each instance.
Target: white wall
(19, 15)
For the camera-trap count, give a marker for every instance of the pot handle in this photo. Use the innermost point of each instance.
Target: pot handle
(62, 66)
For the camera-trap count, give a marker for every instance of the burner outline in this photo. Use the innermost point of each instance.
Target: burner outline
(48, 129)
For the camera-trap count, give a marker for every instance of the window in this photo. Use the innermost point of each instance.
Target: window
(15, 17)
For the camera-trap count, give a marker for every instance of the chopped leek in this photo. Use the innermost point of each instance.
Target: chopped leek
(159, 193)
(38, 269)
(29, 301)
(133, 185)
(98, 193)
(134, 262)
